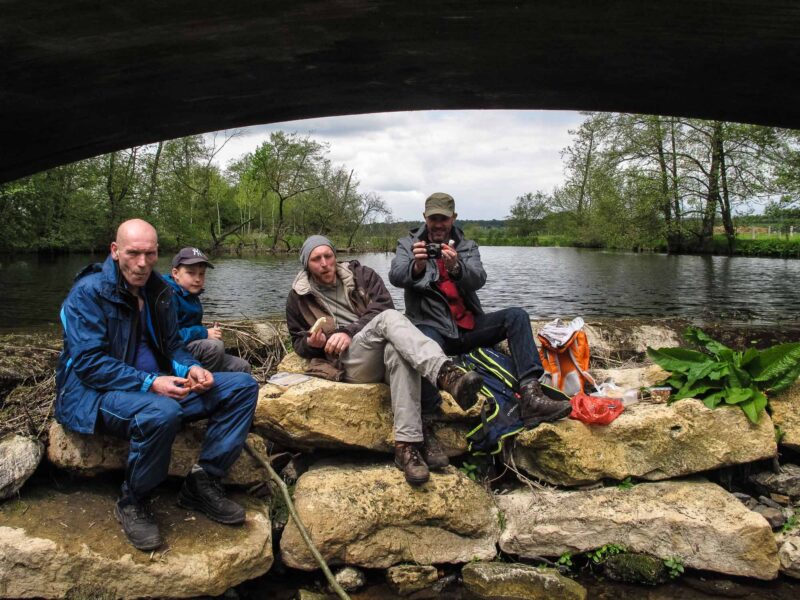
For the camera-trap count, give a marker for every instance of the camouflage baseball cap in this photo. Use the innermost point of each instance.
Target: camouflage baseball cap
(440, 204)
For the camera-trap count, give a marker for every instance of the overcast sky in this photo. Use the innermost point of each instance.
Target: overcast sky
(484, 159)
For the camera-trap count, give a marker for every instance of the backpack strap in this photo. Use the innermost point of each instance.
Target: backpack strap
(588, 377)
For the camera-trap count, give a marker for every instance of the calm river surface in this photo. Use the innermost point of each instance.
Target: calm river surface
(548, 282)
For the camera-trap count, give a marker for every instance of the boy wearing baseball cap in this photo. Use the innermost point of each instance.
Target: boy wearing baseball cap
(187, 280)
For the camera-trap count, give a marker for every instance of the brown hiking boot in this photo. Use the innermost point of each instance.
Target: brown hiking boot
(408, 459)
(432, 450)
(535, 407)
(462, 385)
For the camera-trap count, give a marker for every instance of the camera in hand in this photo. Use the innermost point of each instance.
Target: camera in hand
(434, 250)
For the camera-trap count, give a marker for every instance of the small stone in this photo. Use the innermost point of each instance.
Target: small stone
(786, 481)
(768, 502)
(351, 579)
(407, 579)
(635, 568)
(19, 457)
(774, 516)
(504, 581)
(748, 501)
(781, 499)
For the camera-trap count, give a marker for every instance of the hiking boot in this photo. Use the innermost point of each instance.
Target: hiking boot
(432, 450)
(462, 385)
(408, 459)
(138, 524)
(205, 493)
(535, 407)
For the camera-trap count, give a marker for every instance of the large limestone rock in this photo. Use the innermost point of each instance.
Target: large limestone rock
(19, 457)
(54, 541)
(786, 415)
(789, 553)
(699, 522)
(368, 516)
(632, 378)
(93, 454)
(649, 441)
(325, 414)
(503, 581)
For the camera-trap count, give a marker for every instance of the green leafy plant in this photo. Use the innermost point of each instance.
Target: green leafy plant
(719, 374)
(470, 470)
(674, 566)
(600, 554)
(625, 484)
(565, 560)
(791, 522)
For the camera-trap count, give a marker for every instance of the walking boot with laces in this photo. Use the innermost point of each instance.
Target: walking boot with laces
(432, 450)
(408, 459)
(139, 524)
(205, 493)
(536, 408)
(462, 385)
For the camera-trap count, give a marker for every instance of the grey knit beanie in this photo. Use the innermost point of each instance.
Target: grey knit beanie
(314, 241)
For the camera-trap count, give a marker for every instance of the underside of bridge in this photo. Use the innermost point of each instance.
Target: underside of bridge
(83, 77)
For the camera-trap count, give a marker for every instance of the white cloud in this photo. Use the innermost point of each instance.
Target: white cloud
(484, 159)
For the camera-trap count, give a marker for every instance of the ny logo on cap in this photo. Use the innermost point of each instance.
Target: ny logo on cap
(198, 252)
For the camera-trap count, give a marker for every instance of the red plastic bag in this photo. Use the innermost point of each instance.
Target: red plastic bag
(595, 410)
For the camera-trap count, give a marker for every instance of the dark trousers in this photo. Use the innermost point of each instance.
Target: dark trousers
(151, 422)
(512, 324)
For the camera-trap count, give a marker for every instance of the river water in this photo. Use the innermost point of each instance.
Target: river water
(547, 282)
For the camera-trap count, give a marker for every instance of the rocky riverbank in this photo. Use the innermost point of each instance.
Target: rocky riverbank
(661, 490)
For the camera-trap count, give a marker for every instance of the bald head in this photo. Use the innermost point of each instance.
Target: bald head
(136, 251)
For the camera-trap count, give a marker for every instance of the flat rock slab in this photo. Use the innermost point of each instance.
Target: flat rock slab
(19, 457)
(632, 378)
(325, 414)
(786, 481)
(699, 522)
(54, 541)
(789, 553)
(648, 441)
(504, 581)
(368, 516)
(786, 415)
(90, 455)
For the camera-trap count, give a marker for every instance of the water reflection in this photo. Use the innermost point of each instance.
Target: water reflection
(548, 282)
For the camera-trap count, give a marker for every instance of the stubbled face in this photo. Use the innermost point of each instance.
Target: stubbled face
(136, 252)
(322, 265)
(439, 227)
(192, 278)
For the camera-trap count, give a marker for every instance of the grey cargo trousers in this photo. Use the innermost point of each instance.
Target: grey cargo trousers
(391, 349)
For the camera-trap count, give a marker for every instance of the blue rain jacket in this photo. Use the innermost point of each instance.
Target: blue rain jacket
(190, 312)
(99, 318)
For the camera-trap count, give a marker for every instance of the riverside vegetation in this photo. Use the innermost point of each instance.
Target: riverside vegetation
(630, 182)
(701, 494)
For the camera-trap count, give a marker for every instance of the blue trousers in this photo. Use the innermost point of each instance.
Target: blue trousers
(512, 324)
(151, 421)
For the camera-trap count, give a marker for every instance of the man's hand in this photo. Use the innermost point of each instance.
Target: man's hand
(420, 259)
(337, 343)
(215, 332)
(171, 387)
(450, 257)
(317, 339)
(199, 380)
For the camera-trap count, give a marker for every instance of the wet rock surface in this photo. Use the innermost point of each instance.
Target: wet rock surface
(635, 568)
(53, 541)
(368, 516)
(649, 441)
(699, 522)
(19, 457)
(407, 579)
(505, 581)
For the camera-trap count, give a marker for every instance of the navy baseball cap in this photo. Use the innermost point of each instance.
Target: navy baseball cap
(190, 256)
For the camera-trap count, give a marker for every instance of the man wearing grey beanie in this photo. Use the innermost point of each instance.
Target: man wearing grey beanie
(363, 335)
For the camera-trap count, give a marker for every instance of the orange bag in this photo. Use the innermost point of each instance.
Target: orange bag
(567, 366)
(595, 410)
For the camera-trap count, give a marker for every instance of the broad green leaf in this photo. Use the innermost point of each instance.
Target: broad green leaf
(750, 409)
(700, 370)
(760, 400)
(738, 395)
(714, 399)
(749, 356)
(701, 338)
(677, 381)
(786, 380)
(694, 391)
(738, 377)
(676, 359)
(775, 362)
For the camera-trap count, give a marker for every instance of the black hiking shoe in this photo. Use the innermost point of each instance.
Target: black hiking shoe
(138, 524)
(462, 385)
(432, 450)
(205, 493)
(408, 459)
(536, 408)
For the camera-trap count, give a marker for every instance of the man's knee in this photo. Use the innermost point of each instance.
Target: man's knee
(244, 387)
(207, 349)
(391, 315)
(162, 415)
